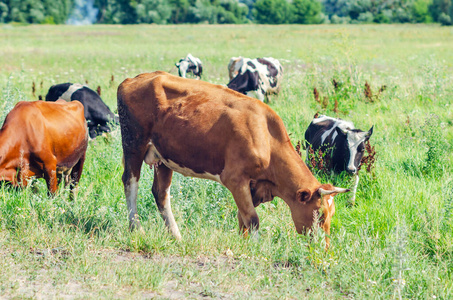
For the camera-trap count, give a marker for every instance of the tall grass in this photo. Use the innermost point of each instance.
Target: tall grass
(395, 243)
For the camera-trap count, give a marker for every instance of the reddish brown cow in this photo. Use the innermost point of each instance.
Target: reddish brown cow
(46, 140)
(209, 131)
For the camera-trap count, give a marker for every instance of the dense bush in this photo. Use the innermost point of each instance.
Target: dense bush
(225, 11)
(35, 11)
(272, 12)
(380, 11)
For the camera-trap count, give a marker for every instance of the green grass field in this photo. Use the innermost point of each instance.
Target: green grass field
(395, 242)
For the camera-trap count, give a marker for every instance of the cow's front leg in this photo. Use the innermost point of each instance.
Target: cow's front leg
(161, 192)
(50, 175)
(247, 216)
(242, 228)
(354, 188)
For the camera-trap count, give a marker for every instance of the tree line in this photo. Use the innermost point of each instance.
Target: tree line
(226, 11)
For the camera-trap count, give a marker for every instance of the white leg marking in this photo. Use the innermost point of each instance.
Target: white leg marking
(131, 190)
(168, 217)
(354, 187)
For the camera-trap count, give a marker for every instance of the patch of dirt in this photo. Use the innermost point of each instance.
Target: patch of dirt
(38, 284)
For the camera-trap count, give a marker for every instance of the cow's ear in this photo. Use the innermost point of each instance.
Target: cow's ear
(303, 196)
(340, 131)
(369, 133)
(177, 64)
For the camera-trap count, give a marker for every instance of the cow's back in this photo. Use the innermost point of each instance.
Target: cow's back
(317, 132)
(59, 126)
(56, 91)
(196, 124)
(322, 130)
(273, 66)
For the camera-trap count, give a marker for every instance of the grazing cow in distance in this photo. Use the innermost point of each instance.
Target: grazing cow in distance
(46, 140)
(208, 131)
(190, 64)
(340, 141)
(235, 65)
(97, 113)
(261, 76)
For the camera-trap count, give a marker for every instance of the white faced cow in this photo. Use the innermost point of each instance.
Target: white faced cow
(260, 76)
(338, 139)
(190, 64)
(97, 113)
(235, 65)
(209, 131)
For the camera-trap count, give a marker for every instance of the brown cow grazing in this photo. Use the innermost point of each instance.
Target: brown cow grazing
(46, 140)
(209, 131)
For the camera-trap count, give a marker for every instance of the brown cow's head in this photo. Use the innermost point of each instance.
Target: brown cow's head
(309, 203)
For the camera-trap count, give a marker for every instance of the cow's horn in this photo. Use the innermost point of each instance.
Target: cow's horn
(338, 190)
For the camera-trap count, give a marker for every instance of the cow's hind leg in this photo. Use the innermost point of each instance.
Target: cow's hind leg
(131, 176)
(161, 192)
(74, 177)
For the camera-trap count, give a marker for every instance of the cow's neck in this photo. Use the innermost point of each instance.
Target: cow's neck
(293, 176)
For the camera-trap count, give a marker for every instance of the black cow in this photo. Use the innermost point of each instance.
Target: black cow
(340, 141)
(97, 113)
(261, 76)
(190, 64)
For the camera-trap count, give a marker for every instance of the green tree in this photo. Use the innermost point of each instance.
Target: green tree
(307, 11)
(153, 11)
(180, 9)
(3, 12)
(442, 11)
(272, 12)
(116, 11)
(35, 11)
(218, 11)
(420, 11)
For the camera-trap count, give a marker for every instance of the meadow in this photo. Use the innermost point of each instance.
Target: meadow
(394, 242)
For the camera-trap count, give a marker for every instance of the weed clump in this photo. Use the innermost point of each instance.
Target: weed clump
(369, 159)
(316, 159)
(319, 160)
(316, 94)
(33, 89)
(436, 146)
(344, 95)
(369, 95)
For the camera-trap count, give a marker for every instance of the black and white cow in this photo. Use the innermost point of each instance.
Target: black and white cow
(189, 64)
(338, 139)
(97, 113)
(260, 76)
